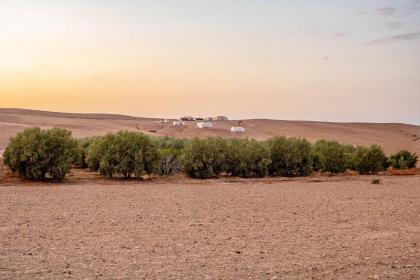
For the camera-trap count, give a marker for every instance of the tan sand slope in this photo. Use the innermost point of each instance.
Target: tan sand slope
(391, 136)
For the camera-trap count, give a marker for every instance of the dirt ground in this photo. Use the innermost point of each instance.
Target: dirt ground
(313, 228)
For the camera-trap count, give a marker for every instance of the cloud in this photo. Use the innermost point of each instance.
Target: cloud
(339, 34)
(391, 11)
(396, 38)
(312, 31)
(386, 11)
(394, 24)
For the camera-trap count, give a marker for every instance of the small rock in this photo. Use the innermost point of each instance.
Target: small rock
(409, 265)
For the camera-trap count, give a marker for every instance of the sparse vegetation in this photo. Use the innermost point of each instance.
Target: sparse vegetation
(289, 157)
(403, 160)
(35, 153)
(376, 181)
(204, 158)
(369, 160)
(82, 148)
(125, 154)
(170, 151)
(329, 156)
(247, 158)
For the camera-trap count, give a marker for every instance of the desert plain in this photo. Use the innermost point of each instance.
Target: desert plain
(317, 227)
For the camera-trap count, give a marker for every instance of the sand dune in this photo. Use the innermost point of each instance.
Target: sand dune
(391, 136)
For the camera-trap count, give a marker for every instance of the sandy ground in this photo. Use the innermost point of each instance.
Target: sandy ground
(392, 137)
(229, 228)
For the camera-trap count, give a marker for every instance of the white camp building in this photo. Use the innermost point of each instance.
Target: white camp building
(204, 125)
(237, 129)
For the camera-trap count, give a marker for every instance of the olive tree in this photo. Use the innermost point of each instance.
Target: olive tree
(123, 154)
(370, 160)
(329, 156)
(204, 158)
(36, 154)
(247, 158)
(403, 160)
(289, 157)
(82, 149)
(170, 151)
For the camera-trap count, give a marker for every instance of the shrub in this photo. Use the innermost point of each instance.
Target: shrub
(123, 154)
(370, 160)
(290, 157)
(376, 181)
(170, 152)
(403, 160)
(82, 148)
(204, 158)
(36, 153)
(94, 154)
(329, 156)
(247, 158)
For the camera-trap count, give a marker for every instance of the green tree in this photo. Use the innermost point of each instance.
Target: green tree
(82, 149)
(170, 152)
(123, 154)
(290, 157)
(247, 158)
(36, 153)
(204, 158)
(403, 160)
(370, 160)
(329, 156)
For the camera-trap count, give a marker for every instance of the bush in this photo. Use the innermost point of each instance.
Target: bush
(290, 157)
(247, 158)
(123, 154)
(329, 156)
(370, 160)
(82, 148)
(170, 152)
(376, 181)
(204, 158)
(36, 153)
(403, 160)
(94, 154)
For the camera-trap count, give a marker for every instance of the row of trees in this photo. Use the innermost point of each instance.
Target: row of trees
(36, 153)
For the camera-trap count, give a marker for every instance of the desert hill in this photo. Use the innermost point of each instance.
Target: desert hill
(391, 136)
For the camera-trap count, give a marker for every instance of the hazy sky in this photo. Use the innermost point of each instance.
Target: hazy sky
(315, 60)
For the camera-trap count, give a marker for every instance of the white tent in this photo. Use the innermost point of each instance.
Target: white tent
(204, 125)
(237, 129)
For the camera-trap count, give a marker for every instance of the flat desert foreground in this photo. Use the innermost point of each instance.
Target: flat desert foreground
(310, 228)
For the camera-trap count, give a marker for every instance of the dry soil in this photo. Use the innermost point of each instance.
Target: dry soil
(177, 228)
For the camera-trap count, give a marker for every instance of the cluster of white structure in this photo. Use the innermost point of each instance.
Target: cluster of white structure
(190, 118)
(205, 123)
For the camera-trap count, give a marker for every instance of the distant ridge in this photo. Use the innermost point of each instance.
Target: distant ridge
(93, 116)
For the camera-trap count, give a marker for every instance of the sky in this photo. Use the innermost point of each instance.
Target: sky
(301, 60)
